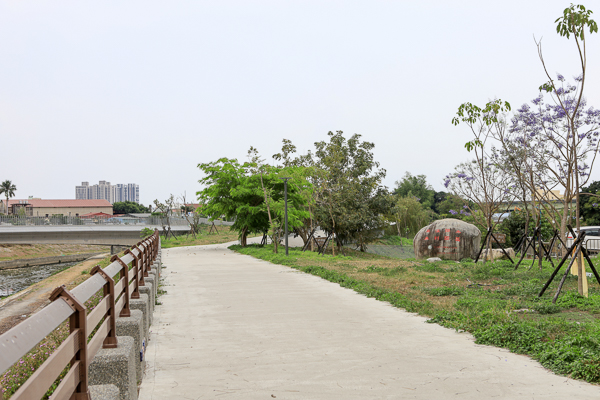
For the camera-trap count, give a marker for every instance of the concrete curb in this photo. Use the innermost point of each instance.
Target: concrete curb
(104, 392)
(142, 305)
(148, 291)
(133, 326)
(116, 367)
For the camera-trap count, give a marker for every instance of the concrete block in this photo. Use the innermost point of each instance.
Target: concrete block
(104, 392)
(143, 305)
(149, 290)
(133, 326)
(116, 367)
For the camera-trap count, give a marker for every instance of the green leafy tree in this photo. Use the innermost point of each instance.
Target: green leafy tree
(514, 226)
(8, 189)
(409, 215)
(590, 209)
(438, 198)
(351, 200)
(416, 186)
(240, 192)
(129, 207)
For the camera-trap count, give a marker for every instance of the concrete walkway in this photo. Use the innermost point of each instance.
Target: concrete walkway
(232, 327)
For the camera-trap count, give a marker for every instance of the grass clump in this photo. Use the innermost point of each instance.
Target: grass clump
(224, 235)
(497, 304)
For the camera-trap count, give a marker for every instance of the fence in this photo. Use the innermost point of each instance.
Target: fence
(12, 220)
(76, 351)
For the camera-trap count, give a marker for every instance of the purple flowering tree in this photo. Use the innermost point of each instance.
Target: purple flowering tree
(555, 158)
(482, 181)
(573, 142)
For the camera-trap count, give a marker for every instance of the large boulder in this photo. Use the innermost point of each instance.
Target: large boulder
(449, 239)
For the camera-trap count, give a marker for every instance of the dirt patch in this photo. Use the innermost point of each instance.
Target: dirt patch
(21, 305)
(16, 251)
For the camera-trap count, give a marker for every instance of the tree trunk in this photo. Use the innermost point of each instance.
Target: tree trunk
(244, 239)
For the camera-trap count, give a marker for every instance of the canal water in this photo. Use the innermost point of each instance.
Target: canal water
(14, 280)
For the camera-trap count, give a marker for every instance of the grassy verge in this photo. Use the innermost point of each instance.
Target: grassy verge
(495, 303)
(394, 241)
(203, 238)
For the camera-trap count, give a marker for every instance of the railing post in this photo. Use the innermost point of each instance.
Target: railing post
(77, 322)
(143, 258)
(154, 241)
(138, 273)
(110, 342)
(157, 237)
(124, 275)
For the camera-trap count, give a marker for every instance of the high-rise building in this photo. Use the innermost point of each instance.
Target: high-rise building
(105, 191)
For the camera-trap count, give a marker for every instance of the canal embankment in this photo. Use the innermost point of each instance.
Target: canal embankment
(37, 261)
(28, 297)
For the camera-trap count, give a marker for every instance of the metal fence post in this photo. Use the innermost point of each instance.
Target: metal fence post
(124, 274)
(110, 342)
(139, 278)
(77, 322)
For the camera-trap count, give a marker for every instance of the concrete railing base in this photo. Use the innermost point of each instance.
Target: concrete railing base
(133, 326)
(116, 366)
(143, 305)
(148, 289)
(104, 392)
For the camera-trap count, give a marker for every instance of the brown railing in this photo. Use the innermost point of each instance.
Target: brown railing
(78, 349)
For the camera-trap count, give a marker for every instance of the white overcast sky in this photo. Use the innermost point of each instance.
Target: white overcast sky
(143, 91)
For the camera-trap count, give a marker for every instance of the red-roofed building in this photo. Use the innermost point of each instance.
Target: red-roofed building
(47, 208)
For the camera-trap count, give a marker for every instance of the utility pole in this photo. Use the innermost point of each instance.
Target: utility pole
(285, 181)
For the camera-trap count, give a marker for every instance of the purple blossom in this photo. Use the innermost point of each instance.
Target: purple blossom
(446, 183)
(579, 78)
(452, 212)
(465, 207)
(560, 77)
(595, 205)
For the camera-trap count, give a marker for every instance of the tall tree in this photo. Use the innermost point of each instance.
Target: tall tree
(482, 181)
(590, 205)
(129, 207)
(408, 214)
(416, 186)
(8, 189)
(574, 22)
(239, 191)
(352, 200)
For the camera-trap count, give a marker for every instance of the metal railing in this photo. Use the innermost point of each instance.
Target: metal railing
(15, 220)
(77, 351)
(10, 220)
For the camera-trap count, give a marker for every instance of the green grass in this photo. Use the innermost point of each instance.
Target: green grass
(495, 303)
(224, 235)
(395, 240)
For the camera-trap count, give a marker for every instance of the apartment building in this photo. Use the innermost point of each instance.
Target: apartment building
(105, 191)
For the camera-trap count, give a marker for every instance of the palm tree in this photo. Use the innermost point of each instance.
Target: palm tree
(8, 189)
